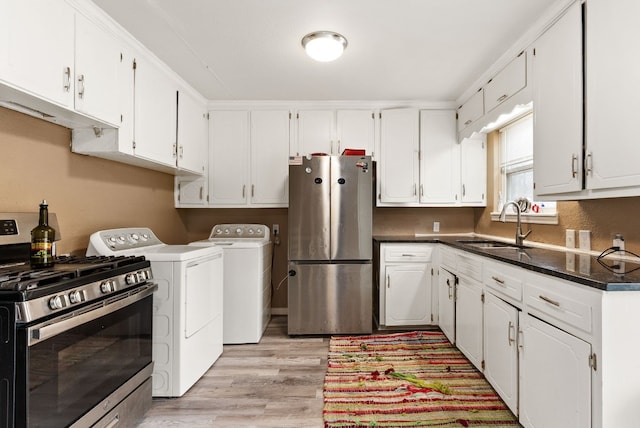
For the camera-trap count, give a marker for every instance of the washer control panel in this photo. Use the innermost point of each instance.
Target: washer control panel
(256, 232)
(113, 241)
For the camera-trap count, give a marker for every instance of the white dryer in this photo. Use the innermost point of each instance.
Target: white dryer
(187, 308)
(247, 279)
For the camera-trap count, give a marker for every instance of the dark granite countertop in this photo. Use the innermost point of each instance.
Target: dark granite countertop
(587, 270)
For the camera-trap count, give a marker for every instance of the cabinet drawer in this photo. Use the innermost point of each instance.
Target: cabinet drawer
(503, 279)
(557, 300)
(407, 253)
(447, 258)
(469, 266)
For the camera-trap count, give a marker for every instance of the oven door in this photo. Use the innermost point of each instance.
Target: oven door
(72, 363)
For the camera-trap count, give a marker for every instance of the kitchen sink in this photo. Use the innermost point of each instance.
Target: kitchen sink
(489, 245)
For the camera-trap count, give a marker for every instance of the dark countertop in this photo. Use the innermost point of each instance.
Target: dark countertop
(588, 270)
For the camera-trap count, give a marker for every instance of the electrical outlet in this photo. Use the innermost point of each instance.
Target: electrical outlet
(275, 229)
(436, 226)
(570, 238)
(618, 241)
(584, 236)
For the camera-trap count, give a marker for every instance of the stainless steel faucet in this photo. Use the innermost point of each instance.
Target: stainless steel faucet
(503, 217)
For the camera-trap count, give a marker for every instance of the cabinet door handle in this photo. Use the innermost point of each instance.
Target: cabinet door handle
(502, 98)
(388, 282)
(201, 192)
(574, 166)
(421, 190)
(467, 122)
(550, 301)
(498, 280)
(415, 189)
(244, 188)
(509, 330)
(409, 255)
(181, 151)
(464, 190)
(338, 147)
(252, 190)
(81, 86)
(589, 163)
(66, 79)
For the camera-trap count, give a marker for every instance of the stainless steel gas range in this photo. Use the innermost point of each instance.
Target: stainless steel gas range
(75, 339)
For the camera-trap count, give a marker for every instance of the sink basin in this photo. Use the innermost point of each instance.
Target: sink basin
(488, 245)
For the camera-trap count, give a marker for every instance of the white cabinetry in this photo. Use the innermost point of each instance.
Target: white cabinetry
(331, 131)
(37, 48)
(509, 81)
(439, 158)
(193, 131)
(406, 294)
(557, 106)
(612, 151)
(555, 385)
(398, 167)
(471, 110)
(190, 192)
(100, 69)
(473, 153)
(155, 95)
(248, 164)
(501, 349)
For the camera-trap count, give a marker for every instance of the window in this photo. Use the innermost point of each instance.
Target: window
(516, 171)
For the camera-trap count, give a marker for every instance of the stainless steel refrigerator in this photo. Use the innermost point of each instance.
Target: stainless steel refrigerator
(330, 248)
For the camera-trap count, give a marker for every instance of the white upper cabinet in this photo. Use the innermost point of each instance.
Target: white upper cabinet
(612, 88)
(355, 130)
(557, 106)
(155, 99)
(398, 167)
(37, 48)
(473, 153)
(439, 158)
(315, 132)
(228, 157)
(471, 110)
(248, 164)
(269, 158)
(193, 131)
(506, 83)
(99, 68)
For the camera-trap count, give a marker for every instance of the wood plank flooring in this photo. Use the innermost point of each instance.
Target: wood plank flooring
(275, 383)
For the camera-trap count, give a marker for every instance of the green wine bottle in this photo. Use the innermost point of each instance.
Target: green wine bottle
(43, 240)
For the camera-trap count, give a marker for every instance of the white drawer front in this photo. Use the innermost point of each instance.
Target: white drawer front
(448, 258)
(561, 301)
(469, 266)
(503, 279)
(407, 253)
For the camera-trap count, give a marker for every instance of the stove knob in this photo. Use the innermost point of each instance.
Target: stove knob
(106, 287)
(55, 302)
(131, 278)
(75, 297)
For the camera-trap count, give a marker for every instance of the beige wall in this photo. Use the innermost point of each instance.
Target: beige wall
(86, 193)
(603, 217)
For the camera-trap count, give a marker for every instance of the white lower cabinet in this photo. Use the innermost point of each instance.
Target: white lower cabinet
(447, 303)
(501, 348)
(406, 292)
(555, 380)
(469, 319)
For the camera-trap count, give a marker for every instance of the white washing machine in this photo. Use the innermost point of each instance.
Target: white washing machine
(187, 308)
(247, 279)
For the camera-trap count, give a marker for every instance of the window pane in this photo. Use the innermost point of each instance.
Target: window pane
(520, 184)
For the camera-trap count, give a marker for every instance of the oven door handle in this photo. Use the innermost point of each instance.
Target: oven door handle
(51, 328)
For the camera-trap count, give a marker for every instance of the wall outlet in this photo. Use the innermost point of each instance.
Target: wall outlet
(436, 226)
(570, 238)
(618, 241)
(275, 229)
(584, 236)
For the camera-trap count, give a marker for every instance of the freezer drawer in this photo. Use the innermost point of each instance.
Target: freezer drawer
(330, 298)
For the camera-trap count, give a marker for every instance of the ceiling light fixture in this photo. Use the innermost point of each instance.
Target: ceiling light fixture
(324, 46)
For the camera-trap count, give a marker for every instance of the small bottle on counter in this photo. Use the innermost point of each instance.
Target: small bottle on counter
(43, 240)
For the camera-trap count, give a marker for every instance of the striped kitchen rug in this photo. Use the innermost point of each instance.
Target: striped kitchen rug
(405, 380)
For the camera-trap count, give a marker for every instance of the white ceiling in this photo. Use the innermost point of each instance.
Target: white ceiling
(425, 50)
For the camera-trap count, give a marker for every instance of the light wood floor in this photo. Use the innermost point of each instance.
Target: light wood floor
(276, 383)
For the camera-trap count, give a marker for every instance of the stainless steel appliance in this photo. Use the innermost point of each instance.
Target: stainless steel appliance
(75, 339)
(330, 246)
